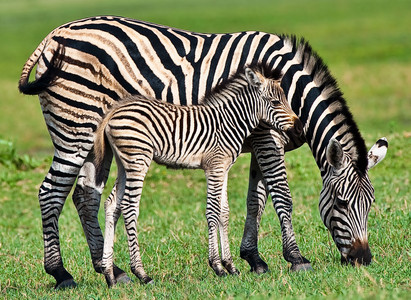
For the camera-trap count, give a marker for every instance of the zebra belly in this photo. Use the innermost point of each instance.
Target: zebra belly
(188, 162)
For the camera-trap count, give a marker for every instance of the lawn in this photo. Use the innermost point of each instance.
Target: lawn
(366, 45)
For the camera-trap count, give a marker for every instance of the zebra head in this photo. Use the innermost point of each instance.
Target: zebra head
(277, 111)
(346, 199)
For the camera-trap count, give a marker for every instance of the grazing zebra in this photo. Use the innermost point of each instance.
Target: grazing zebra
(208, 136)
(84, 66)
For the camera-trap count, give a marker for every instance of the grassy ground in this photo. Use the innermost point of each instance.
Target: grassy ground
(366, 45)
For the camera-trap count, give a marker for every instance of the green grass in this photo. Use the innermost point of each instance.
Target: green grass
(366, 45)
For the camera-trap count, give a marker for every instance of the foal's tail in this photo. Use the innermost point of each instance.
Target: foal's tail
(100, 149)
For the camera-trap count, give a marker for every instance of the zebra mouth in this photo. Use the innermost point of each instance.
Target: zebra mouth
(296, 139)
(359, 254)
(355, 261)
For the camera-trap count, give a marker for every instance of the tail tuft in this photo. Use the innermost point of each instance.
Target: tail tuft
(47, 79)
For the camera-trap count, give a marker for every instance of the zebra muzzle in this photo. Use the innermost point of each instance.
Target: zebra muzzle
(359, 254)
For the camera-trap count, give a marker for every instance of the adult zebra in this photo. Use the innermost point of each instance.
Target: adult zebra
(84, 66)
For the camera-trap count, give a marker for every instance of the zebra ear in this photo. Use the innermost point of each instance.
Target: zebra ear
(335, 154)
(377, 152)
(252, 78)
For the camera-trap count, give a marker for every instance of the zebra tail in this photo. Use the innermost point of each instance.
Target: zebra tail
(50, 75)
(100, 144)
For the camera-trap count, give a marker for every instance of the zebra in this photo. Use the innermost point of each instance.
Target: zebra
(85, 66)
(208, 136)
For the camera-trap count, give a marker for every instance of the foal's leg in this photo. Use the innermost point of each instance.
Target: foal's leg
(215, 183)
(226, 257)
(112, 213)
(130, 203)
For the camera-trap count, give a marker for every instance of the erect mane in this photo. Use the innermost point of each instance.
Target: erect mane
(312, 63)
(261, 68)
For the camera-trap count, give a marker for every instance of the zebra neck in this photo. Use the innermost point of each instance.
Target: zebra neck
(323, 111)
(315, 97)
(236, 112)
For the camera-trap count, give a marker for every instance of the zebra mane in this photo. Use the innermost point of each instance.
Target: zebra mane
(312, 63)
(238, 77)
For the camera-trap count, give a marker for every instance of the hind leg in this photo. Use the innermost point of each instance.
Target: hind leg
(86, 198)
(52, 195)
(256, 200)
(130, 206)
(112, 213)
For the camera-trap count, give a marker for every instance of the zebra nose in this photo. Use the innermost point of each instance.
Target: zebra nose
(297, 130)
(360, 253)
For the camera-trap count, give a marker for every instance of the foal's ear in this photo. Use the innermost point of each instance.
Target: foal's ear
(377, 152)
(335, 154)
(252, 78)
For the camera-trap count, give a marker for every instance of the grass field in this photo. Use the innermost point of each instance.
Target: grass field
(367, 46)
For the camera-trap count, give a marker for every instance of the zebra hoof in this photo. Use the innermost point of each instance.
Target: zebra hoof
(260, 269)
(220, 272)
(301, 267)
(123, 279)
(66, 284)
(257, 265)
(235, 272)
(146, 280)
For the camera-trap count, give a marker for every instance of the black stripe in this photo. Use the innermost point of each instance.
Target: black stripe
(197, 69)
(103, 57)
(216, 60)
(163, 54)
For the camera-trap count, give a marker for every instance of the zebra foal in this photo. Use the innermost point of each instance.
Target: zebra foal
(209, 136)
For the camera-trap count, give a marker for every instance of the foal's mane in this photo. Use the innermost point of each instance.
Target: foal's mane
(239, 77)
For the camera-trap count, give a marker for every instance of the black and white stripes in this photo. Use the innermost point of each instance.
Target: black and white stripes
(209, 136)
(96, 61)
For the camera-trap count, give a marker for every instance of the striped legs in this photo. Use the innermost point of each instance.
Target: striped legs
(86, 198)
(256, 200)
(112, 213)
(52, 196)
(125, 198)
(269, 153)
(217, 215)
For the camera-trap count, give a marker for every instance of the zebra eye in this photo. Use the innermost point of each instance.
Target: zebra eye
(342, 202)
(275, 102)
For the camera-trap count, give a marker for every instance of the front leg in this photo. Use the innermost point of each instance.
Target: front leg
(217, 213)
(226, 257)
(270, 156)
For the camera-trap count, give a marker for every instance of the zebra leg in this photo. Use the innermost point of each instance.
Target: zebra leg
(52, 196)
(256, 200)
(213, 211)
(130, 204)
(112, 213)
(270, 156)
(86, 198)
(226, 257)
